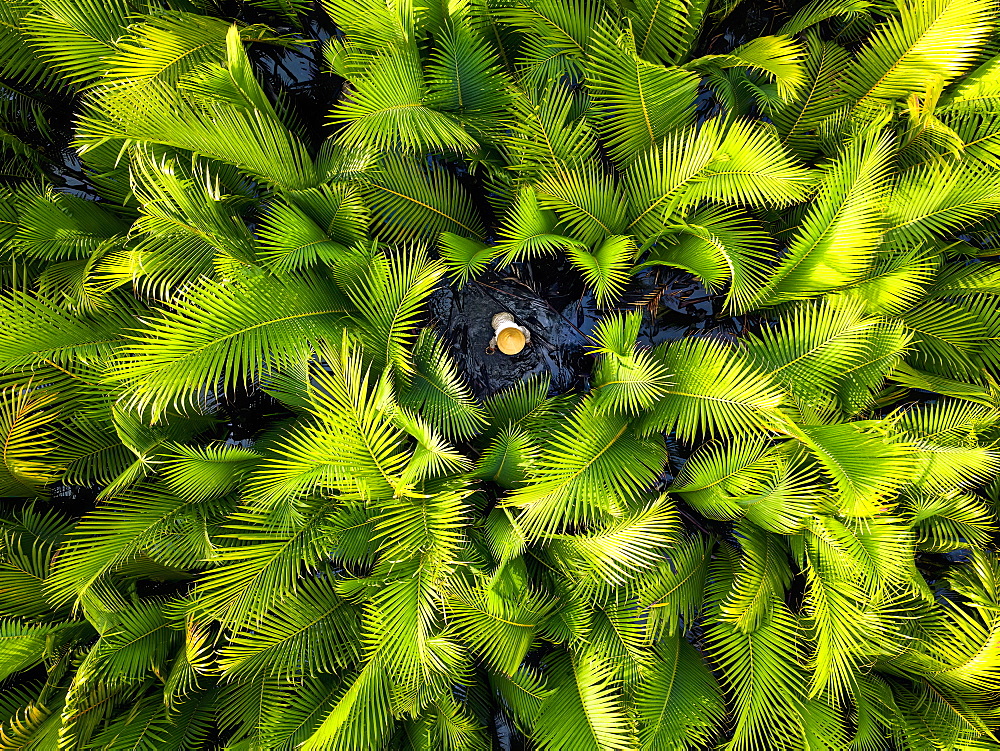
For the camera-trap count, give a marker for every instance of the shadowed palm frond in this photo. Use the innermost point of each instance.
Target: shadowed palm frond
(636, 103)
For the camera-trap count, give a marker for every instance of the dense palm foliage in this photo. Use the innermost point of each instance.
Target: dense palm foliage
(774, 536)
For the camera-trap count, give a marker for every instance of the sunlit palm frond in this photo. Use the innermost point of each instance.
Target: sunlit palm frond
(120, 531)
(627, 379)
(615, 554)
(227, 117)
(223, 333)
(665, 32)
(388, 109)
(54, 226)
(27, 426)
(757, 584)
(551, 137)
(817, 11)
(464, 78)
(679, 701)
(312, 622)
(588, 470)
(866, 465)
(818, 99)
(464, 257)
(290, 240)
(716, 390)
(201, 473)
(437, 391)
(763, 683)
(77, 38)
(352, 444)
(934, 202)
(388, 293)
(719, 246)
(589, 205)
(847, 214)
(582, 711)
(929, 41)
(816, 348)
(606, 269)
(529, 231)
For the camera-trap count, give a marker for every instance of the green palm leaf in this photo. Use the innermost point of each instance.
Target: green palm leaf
(590, 206)
(582, 712)
(507, 458)
(551, 136)
(743, 164)
(530, 231)
(817, 11)
(866, 465)
(764, 684)
(929, 41)
(55, 226)
(387, 293)
(464, 258)
(296, 711)
(353, 443)
(847, 214)
(311, 630)
(666, 31)
(627, 379)
(26, 553)
(716, 391)
(816, 348)
(636, 103)
(679, 702)
(168, 46)
(261, 566)
(246, 132)
(389, 109)
(464, 78)
(137, 523)
(28, 435)
(37, 330)
(615, 554)
(410, 200)
(589, 468)
(77, 38)
(500, 629)
(290, 240)
(778, 57)
(819, 98)
(719, 246)
(437, 391)
(362, 717)
(947, 521)
(223, 334)
(606, 270)
(757, 584)
(930, 202)
(675, 596)
(201, 473)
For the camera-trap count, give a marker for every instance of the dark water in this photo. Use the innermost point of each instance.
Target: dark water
(548, 299)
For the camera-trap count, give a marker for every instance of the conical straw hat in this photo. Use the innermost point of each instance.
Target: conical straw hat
(510, 341)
